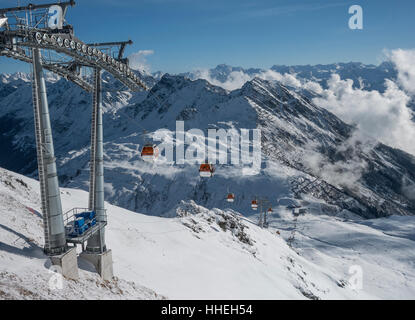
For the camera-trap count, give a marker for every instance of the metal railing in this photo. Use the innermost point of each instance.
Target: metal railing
(72, 231)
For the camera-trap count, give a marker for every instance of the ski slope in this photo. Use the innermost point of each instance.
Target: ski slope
(197, 253)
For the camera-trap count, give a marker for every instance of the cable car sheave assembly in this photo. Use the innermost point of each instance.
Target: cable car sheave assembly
(19, 34)
(40, 35)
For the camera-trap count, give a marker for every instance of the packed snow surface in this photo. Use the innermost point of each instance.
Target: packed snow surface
(199, 253)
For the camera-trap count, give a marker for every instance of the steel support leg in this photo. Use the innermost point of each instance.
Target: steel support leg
(96, 244)
(96, 251)
(55, 241)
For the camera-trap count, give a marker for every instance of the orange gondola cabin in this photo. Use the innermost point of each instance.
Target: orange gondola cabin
(206, 170)
(230, 197)
(150, 152)
(254, 205)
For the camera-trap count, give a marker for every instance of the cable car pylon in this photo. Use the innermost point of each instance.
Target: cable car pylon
(55, 242)
(263, 204)
(25, 32)
(53, 223)
(96, 250)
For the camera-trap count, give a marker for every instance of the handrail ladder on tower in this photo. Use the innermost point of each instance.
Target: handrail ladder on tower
(40, 158)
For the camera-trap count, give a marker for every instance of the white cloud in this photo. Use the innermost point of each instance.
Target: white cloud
(408, 188)
(340, 173)
(286, 78)
(404, 61)
(237, 79)
(383, 116)
(138, 60)
(313, 86)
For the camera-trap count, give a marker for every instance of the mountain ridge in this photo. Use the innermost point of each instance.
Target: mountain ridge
(368, 76)
(295, 133)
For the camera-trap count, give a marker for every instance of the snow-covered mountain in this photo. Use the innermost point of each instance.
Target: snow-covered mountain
(199, 253)
(222, 72)
(369, 77)
(192, 244)
(307, 151)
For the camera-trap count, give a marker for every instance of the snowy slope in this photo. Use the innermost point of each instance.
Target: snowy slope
(306, 149)
(24, 269)
(199, 253)
(382, 248)
(70, 116)
(302, 144)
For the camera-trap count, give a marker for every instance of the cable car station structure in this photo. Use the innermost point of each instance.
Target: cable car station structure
(40, 35)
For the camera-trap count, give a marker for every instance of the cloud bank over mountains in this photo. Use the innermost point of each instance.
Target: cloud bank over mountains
(404, 61)
(386, 116)
(237, 79)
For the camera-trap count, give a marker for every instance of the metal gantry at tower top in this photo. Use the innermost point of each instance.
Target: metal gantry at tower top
(40, 35)
(264, 207)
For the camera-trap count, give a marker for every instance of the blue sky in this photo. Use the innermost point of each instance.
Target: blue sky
(189, 34)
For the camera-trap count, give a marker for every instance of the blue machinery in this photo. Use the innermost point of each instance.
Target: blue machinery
(40, 35)
(80, 224)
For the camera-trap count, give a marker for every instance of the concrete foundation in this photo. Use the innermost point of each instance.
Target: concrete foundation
(102, 263)
(68, 262)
